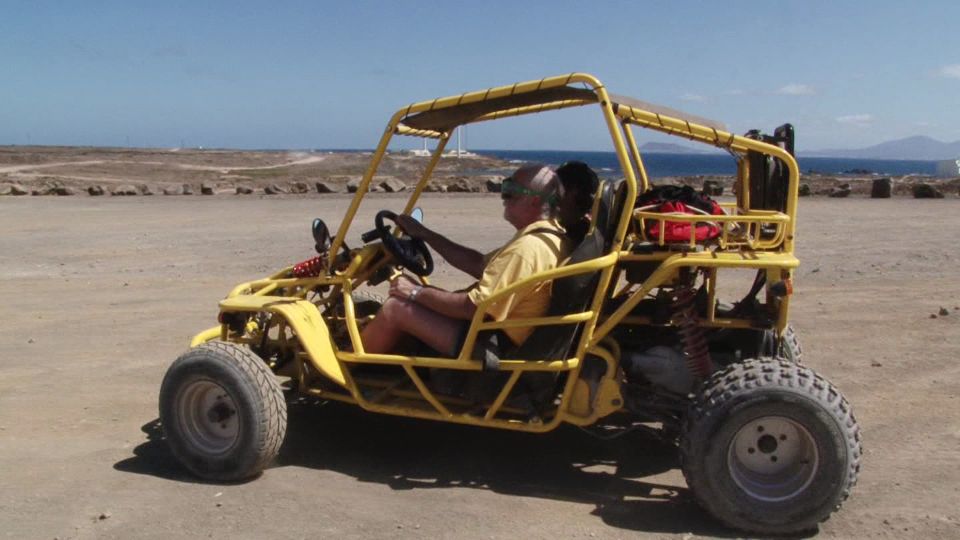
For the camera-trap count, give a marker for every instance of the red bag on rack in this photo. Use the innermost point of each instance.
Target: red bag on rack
(679, 231)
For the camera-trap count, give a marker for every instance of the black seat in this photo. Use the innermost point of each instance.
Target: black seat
(612, 198)
(769, 176)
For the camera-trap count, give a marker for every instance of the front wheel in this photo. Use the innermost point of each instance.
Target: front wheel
(770, 447)
(222, 411)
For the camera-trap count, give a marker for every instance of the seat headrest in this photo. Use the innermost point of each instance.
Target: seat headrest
(612, 196)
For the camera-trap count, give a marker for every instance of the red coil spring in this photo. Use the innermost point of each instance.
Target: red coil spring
(309, 268)
(692, 337)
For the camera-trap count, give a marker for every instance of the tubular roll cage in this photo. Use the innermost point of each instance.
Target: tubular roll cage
(741, 246)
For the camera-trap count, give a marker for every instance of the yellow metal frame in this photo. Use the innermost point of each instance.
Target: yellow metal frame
(323, 369)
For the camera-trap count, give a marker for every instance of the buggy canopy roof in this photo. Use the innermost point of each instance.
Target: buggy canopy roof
(442, 115)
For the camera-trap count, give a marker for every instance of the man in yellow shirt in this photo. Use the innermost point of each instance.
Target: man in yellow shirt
(440, 318)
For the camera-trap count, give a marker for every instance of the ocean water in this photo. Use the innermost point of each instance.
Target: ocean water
(660, 165)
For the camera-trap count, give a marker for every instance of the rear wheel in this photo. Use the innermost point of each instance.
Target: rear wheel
(222, 411)
(789, 346)
(729, 345)
(770, 447)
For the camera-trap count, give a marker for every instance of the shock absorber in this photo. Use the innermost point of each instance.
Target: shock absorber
(693, 340)
(309, 268)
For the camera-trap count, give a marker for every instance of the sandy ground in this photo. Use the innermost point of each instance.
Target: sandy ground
(101, 294)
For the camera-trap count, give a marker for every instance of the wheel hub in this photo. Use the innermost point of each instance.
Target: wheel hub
(220, 412)
(772, 458)
(208, 417)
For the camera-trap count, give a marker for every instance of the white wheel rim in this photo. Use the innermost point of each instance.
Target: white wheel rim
(208, 417)
(773, 458)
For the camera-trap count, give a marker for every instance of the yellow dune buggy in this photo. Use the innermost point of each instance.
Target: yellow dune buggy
(638, 334)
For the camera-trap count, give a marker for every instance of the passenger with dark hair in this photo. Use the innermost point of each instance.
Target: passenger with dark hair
(580, 185)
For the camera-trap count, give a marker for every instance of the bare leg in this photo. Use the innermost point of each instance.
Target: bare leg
(398, 317)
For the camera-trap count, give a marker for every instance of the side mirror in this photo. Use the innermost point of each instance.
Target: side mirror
(321, 235)
(417, 214)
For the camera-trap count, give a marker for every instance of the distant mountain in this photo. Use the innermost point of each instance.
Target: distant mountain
(671, 148)
(918, 147)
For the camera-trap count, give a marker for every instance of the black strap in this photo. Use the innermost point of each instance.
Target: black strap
(547, 230)
(555, 232)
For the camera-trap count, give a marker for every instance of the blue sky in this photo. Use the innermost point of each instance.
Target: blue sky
(329, 74)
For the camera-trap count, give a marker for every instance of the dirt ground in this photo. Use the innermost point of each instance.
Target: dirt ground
(100, 294)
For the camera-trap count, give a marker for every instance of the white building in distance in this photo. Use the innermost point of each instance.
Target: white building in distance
(948, 168)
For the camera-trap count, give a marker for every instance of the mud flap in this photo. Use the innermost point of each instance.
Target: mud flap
(305, 319)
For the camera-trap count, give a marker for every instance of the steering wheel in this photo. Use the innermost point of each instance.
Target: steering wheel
(411, 253)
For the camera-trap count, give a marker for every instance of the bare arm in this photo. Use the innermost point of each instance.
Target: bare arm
(461, 257)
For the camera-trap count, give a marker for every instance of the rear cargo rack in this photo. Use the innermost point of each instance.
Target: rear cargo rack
(751, 229)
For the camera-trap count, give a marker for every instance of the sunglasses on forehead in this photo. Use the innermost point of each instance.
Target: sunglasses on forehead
(511, 189)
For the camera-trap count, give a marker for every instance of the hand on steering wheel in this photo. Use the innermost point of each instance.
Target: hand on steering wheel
(411, 253)
(412, 227)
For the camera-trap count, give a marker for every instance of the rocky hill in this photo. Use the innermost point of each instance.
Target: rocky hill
(919, 147)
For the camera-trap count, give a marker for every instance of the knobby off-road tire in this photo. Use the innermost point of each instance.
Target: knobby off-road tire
(222, 411)
(770, 447)
(789, 346)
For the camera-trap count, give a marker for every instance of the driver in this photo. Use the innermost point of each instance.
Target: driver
(441, 318)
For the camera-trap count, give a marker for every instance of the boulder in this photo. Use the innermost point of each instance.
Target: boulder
(926, 191)
(17, 189)
(353, 185)
(244, 190)
(712, 188)
(5, 189)
(882, 188)
(49, 186)
(145, 189)
(299, 187)
(327, 187)
(64, 191)
(839, 192)
(187, 189)
(124, 190)
(494, 184)
(207, 188)
(173, 190)
(96, 191)
(804, 190)
(460, 186)
(392, 185)
(435, 187)
(274, 189)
